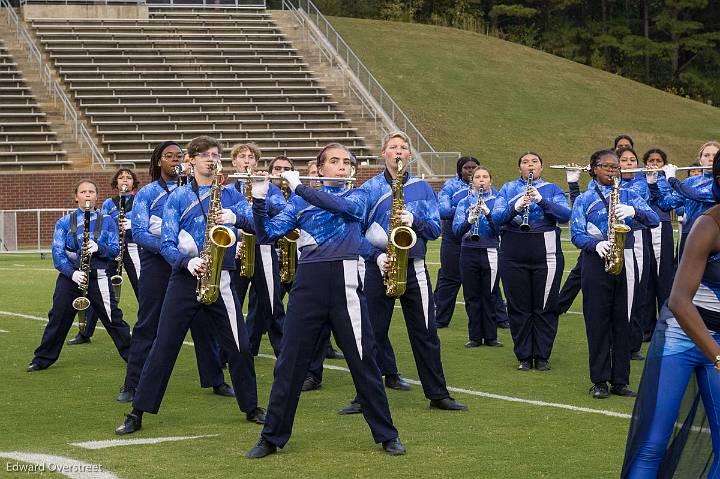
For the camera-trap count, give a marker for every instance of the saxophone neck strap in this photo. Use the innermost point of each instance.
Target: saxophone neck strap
(602, 197)
(196, 190)
(74, 228)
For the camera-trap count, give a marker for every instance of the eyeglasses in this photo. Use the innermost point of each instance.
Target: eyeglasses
(205, 155)
(282, 168)
(608, 166)
(173, 156)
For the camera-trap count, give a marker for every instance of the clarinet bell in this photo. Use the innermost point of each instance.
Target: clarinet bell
(117, 282)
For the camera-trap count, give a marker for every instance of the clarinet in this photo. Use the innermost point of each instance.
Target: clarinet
(525, 226)
(475, 230)
(117, 280)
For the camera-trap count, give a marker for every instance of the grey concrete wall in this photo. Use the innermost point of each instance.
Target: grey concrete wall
(85, 11)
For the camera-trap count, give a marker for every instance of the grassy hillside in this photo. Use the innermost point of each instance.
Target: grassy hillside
(494, 99)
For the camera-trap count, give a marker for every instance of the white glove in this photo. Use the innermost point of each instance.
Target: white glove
(406, 218)
(603, 248)
(573, 176)
(228, 217)
(484, 209)
(651, 177)
(382, 257)
(670, 171)
(79, 278)
(624, 211)
(520, 204)
(681, 219)
(472, 216)
(194, 264)
(535, 195)
(260, 189)
(126, 224)
(292, 178)
(92, 247)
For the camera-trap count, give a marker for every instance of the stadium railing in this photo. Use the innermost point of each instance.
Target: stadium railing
(15, 237)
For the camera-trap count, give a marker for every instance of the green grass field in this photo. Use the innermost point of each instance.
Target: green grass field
(74, 401)
(495, 99)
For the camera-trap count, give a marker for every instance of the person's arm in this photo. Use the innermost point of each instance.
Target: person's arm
(170, 231)
(643, 213)
(351, 206)
(578, 229)
(705, 239)
(243, 214)
(140, 221)
(426, 218)
(60, 259)
(270, 229)
(557, 206)
(574, 187)
(445, 208)
(368, 251)
(689, 189)
(109, 240)
(107, 207)
(460, 224)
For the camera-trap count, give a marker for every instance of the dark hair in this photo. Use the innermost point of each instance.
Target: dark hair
(481, 167)
(623, 149)
(156, 156)
(321, 156)
(465, 159)
(202, 144)
(658, 151)
(597, 156)
(84, 180)
(623, 137)
(529, 153)
(281, 158)
(114, 181)
(716, 166)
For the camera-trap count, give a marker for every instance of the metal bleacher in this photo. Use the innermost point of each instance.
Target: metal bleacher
(187, 71)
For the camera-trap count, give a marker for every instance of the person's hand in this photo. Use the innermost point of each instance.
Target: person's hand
(473, 216)
(651, 177)
(603, 249)
(484, 209)
(534, 195)
(226, 217)
(260, 188)
(79, 278)
(624, 211)
(573, 174)
(406, 218)
(92, 247)
(382, 262)
(126, 224)
(196, 266)
(670, 171)
(522, 203)
(292, 178)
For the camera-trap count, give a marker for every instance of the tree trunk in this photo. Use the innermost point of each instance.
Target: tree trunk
(646, 32)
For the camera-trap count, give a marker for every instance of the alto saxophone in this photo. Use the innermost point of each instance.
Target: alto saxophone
(400, 239)
(245, 254)
(617, 230)
(287, 251)
(117, 280)
(218, 238)
(82, 303)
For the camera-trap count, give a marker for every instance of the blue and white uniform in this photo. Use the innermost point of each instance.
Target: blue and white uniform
(183, 238)
(326, 289)
(146, 221)
(66, 252)
(571, 286)
(417, 302)
(531, 265)
(607, 299)
(479, 266)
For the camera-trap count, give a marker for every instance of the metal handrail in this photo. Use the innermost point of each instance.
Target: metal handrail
(56, 90)
(373, 91)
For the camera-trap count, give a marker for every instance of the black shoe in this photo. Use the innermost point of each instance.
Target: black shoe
(257, 416)
(647, 337)
(311, 383)
(525, 365)
(394, 381)
(600, 391)
(542, 365)
(442, 325)
(473, 344)
(79, 339)
(126, 394)
(132, 423)
(637, 356)
(224, 390)
(352, 408)
(448, 404)
(493, 343)
(262, 448)
(332, 354)
(504, 324)
(622, 390)
(394, 447)
(32, 367)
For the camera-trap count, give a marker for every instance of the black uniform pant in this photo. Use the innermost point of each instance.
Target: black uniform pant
(570, 288)
(327, 293)
(153, 284)
(131, 263)
(479, 280)
(179, 310)
(263, 315)
(661, 271)
(448, 281)
(62, 313)
(531, 266)
(500, 306)
(419, 313)
(607, 303)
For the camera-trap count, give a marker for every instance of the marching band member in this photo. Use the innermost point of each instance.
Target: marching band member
(183, 234)
(623, 141)
(448, 279)
(420, 214)
(607, 298)
(571, 286)
(326, 290)
(531, 259)
(684, 357)
(478, 258)
(146, 222)
(123, 178)
(67, 250)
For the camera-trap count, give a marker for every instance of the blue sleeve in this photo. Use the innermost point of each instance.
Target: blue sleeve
(574, 190)
(557, 206)
(426, 221)
(689, 190)
(460, 225)
(275, 202)
(60, 259)
(447, 212)
(140, 223)
(368, 251)
(578, 229)
(169, 234)
(502, 212)
(352, 206)
(243, 215)
(109, 241)
(270, 229)
(656, 198)
(669, 198)
(643, 213)
(107, 206)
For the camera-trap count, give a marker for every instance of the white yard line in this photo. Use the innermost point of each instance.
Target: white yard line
(470, 392)
(134, 442)
(28, 269)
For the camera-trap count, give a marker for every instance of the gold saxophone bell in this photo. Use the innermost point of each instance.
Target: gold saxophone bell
(402, 239)
(221, 238)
